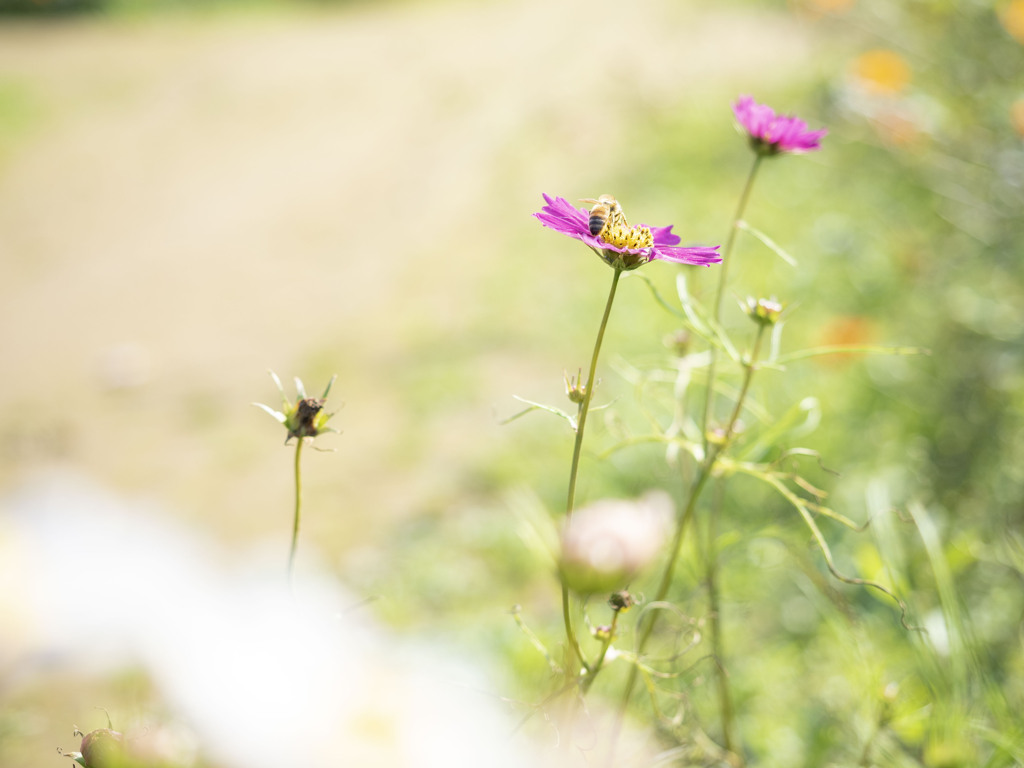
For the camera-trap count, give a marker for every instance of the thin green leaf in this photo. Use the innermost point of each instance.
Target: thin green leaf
(847, 349)
(689, 446)
(801, 419)
(534, 640)
(1009, 742)
(540, 406)
(691, 307)
(655, 293)
(959, 652)
(768, 242)
(776, 341)
(819, 538)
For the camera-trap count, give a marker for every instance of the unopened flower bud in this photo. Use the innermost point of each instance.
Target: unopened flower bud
(606, 544)
(716, 436)
(103, 748)
(763, 311)
(603, 632)
(575, 389)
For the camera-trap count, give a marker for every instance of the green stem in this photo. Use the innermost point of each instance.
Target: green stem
(747, 378)
(715, 625)
(599, 662)
(722, 280)
(663, 586)
(703, 474)
(587, 394)
(298, 508)
(577, 448)
(714, 604)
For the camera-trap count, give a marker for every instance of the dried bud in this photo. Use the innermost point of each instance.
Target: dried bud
(605, 544)
(621, 601)
(306, 416)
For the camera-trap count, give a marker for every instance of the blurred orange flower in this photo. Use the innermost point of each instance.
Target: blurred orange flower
(882, 71)
(1017, 116)
(850, 331)
(823, 7)
(1012, 18)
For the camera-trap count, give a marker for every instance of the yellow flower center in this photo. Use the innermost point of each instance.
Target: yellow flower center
(624, 236)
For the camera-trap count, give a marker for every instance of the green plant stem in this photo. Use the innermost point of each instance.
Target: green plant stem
(727, 713)
(298, 508)
(704, 472)
(715, 625)
(599, 661)
(576, 451)
(722, 280)
(587, 394)
(666, 580)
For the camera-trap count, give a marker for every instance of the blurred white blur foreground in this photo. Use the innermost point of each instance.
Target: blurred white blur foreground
(94, 584)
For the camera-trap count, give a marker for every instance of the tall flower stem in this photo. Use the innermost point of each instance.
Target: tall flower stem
(599, 661)
(704, 472)
(581, 423)
(727, 714)
(715, 623)
(723, 275)
(298, 507)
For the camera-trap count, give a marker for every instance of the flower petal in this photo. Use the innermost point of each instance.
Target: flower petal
(775, 133)
(664, 236)
(699, 255)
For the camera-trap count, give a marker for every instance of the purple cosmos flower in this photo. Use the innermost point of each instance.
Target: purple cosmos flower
(771, 134)
(619, 244)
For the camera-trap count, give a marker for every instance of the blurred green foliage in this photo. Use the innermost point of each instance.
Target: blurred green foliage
(49, 7)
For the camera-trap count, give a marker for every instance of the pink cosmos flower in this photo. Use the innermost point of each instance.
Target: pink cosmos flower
(772, 134)
(620, 246)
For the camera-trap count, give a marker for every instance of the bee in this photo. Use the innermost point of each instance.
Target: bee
(606, 212)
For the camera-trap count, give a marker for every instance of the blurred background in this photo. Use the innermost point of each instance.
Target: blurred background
(192, 193)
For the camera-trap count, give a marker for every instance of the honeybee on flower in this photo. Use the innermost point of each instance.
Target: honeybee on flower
(616, 242)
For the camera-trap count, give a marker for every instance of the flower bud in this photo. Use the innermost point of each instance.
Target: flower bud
(575, 389)
(306, 417)
(621, 601)
(606, 544)
(306, 422)
(103, 748)
(716, 436)
(763, 311)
